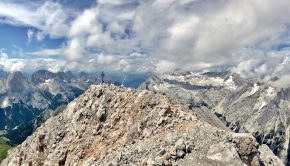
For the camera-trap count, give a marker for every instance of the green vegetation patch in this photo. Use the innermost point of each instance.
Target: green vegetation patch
(3, 132)
(4, 147)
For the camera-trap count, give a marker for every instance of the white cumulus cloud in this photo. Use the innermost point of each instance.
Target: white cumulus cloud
(10, 65)
(172, 34)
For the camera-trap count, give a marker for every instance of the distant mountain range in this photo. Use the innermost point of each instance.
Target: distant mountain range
(23, 98)
(244, 105)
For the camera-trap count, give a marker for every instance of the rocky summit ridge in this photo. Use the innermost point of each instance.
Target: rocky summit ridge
(243, 104)
(110, 125)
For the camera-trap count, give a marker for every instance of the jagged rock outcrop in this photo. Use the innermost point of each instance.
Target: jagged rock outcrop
(110, 125)
(245, 105)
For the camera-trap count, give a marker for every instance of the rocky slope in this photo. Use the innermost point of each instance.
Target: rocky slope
(110, 125)
(245, 105)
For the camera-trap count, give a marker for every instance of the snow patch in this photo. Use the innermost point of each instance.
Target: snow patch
(210, 81)
(155, 87)
(48, 81)
(263, 104)
(202, 80)
(230, 84)
(5, 103)
(175, 77)
(270, 92)
(15, 128)
(255, 88)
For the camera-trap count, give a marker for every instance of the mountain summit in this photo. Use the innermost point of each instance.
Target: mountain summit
(110, 125)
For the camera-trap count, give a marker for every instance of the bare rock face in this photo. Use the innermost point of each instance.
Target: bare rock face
(244, 105)
(109, 125)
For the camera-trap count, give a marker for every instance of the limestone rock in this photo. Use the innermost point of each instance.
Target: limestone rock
(248, 105)
(126, 134)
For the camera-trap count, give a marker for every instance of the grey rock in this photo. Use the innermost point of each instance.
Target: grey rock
(180, 153)
(189, 147)
(122, 142)
(161, 152)
(180, 145)
(244, 105)
(101, 114)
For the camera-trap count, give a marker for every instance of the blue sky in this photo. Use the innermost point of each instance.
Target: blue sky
(15, 40)
(248, 36)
